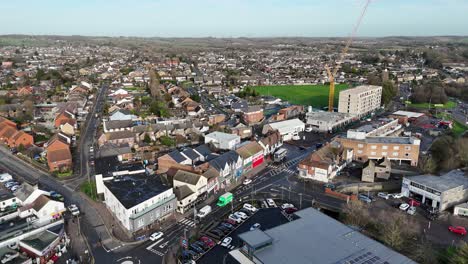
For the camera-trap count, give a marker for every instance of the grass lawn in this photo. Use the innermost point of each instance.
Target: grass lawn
(132, 88)
(314, 95)
(64, 174)
(89, 188)
(448, 105)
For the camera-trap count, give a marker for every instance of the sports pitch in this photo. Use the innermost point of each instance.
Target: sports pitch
(314, 95)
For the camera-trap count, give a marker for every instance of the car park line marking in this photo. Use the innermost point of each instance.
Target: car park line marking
(164, 244)
(154, 244)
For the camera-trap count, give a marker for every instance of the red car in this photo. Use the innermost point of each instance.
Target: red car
(232, 222)
(207, 241)
(415, 203)
(290, 210)
(457, 230)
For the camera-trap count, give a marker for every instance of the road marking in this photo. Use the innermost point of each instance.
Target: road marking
(164, 244)
(154, 244)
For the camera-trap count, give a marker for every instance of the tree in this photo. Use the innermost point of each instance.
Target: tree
(356, 214)
(147, 138)
(36, 53)
(195, 97)
(155, 81)
(392, 232)
(460, 255)
(427, 165)
(388, 92)
(423, 252)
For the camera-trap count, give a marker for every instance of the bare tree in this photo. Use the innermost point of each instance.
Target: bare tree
(356, 214)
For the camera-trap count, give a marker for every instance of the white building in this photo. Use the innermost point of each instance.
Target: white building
(328, 121)
(138, 201)
(287, 128)
(440, 192)
(223, 140)
(360, 100)
(189, 189)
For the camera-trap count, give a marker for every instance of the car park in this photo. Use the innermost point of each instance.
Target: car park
(247, 181)
(192, 253)
(460, 230)
(404, 206)
(286, 205)
(235, 218)
(383, 195)
(255, 226)
(411, 210)
(223, 229)
(156, 236)
(270, 202)
(226, 241)
(250, 207)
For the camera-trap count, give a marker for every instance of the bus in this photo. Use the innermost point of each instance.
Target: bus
(225, 199)
(280, 155)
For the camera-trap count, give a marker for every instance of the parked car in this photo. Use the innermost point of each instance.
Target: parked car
(383, 195)
(226, 241)
(270, 202)
(290, 210)
(255, 226)
(156, 236)
(241, 215)
(250, 207)
(235, 218)
(330, 186)
(404, 206)
(197, 248)
(413, 202)
(397, 195)
(318, 145)
(208, 241)
(74, 209)
(286, 205)
(411, 210)
(457, 230)
(217, 232)
(247, 181)
(204, 246)
(6, 177)
(364, 198)
(230, 221)
(227, 225)
(245, 211)
(296, 137)
(56, 195)
(15, 188)
(223, 229)
(11, 183)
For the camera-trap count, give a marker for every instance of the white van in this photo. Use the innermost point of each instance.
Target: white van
(5, 177)
(204, 211)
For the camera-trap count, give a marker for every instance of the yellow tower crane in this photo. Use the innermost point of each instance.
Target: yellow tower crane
(332, 74)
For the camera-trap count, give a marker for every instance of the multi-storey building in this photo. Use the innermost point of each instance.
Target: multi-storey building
(360, 100)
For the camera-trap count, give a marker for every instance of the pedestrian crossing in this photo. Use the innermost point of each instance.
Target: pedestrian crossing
(159, 253)
(186, 222)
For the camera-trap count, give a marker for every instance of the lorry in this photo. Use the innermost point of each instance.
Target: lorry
(280, 155)
(204, 211)
(224, 199)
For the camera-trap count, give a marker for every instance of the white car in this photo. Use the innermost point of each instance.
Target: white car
(383, 195)
(235, 218)
(296, 137)
(241, 215)
(286, 205)
(308, 129)
(270, 202)
(411, 210)
(226, 241)
(156, 236)
(9, 256)
(397, 195)
(247, 181)
(250, 207)
(74, 209)
(255, 226)
(404, 206)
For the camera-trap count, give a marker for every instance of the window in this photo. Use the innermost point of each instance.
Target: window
(360, 145)
(396, 147)
(408, 148)
(384, 147)
(384, 153)
(373, 147)
(373, 153)
(140, 222)
(395, 154)
(359, 151)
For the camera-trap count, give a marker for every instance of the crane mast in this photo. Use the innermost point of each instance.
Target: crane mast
(332, 74)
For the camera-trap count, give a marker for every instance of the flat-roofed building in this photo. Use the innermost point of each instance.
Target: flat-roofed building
(312, 238)
(439, 192)
(392, 148)
(328, 121)
(360, 100)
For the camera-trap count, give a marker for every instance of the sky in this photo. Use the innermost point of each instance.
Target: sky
(233, 18)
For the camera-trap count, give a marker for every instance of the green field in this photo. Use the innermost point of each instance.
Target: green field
(448, 105)
(314, 95)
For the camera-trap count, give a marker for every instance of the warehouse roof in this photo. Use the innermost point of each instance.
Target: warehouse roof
(450, 180)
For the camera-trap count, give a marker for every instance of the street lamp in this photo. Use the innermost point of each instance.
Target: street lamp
(300, 201)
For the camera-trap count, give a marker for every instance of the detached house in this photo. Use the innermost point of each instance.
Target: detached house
(59, 157)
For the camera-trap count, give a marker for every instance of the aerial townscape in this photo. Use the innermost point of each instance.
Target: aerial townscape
(194, 146)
